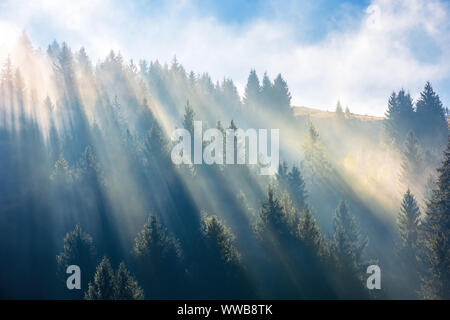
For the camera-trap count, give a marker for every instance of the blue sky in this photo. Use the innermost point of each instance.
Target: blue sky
(353, 51)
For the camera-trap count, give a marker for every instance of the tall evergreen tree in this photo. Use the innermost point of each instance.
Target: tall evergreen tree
(339, 111)
(400, 117)
(436, 284)
(78, 250)
(348, 240)
(252, 90)
(316, 163)
(282, 96)
(309, 233)
(158, 259)
(103, 287)
(432, 127)
(220, 264)
(412, 164)
(348, 246)
(125, 286)
(188, 119)
(297, 188)
(273, 227)
(408, 224)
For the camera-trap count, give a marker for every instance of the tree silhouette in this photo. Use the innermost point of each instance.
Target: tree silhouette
(436, 284)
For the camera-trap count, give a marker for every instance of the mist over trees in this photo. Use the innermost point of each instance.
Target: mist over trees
(86, 179)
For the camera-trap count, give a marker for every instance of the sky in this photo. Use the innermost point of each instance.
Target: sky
(356, 52)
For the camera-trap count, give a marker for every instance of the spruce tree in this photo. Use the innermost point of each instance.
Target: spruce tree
(309, 233)
(78, 250)
(412, 164)
(436, 284)
(408, 224)
(103, 286)
(339, 111)
(252, 92)
(348, 114)
(221, 272)
(273, 227)
(316, 162)
(348, 247)
(158, 260)
(282, 96)
(188, 118)
(348, 240)
(432, 127)
(125, 286)
(297, 188)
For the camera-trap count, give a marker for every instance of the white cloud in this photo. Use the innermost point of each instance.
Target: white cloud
(360, 66)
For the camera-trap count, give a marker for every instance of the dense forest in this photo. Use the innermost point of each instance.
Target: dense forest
(86, 179)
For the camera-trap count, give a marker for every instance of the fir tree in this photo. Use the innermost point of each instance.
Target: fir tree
(348, 241)
(339, 111)
(273, 227)
(309, 233)
(436, 284)
(348, 247)
(297, 188)
(188, 119)
(282, 96)
(78, 250)
(158, 259)
(125, 286)
(252, 90)
(103, 287)
(432, 125)
(220, 266)
(348, 114)
(412, 166)
(408, 224)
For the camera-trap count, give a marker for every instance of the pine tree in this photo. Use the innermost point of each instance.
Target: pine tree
(309, 233)
(408, 224)
(436, 284)
(62, 174)
(267, 93)
(156, 146)
(412, 164)
(400, 117)
(408, 221)
(339, 111)
(230, 97)
(432, 125)
(282, 174)
(188, 119)
(297, 188)
(348, 247)
(218, 239)
(125, 286)
(273, 227)
(78, 250)
(103, 287)
(313, 259)
(348, 114)
(316, 162)
(252, 91)
(282, 96)
(158, 259)
(348, 241)
(221, 270)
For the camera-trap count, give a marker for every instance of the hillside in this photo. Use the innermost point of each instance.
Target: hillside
(320, 114)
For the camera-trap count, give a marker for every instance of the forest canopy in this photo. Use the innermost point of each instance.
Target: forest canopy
(86, 179)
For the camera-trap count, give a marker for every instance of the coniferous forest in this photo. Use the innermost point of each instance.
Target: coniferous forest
(86, 179)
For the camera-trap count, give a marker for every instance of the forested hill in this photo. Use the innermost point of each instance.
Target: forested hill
(86, 178)
(318, 113)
